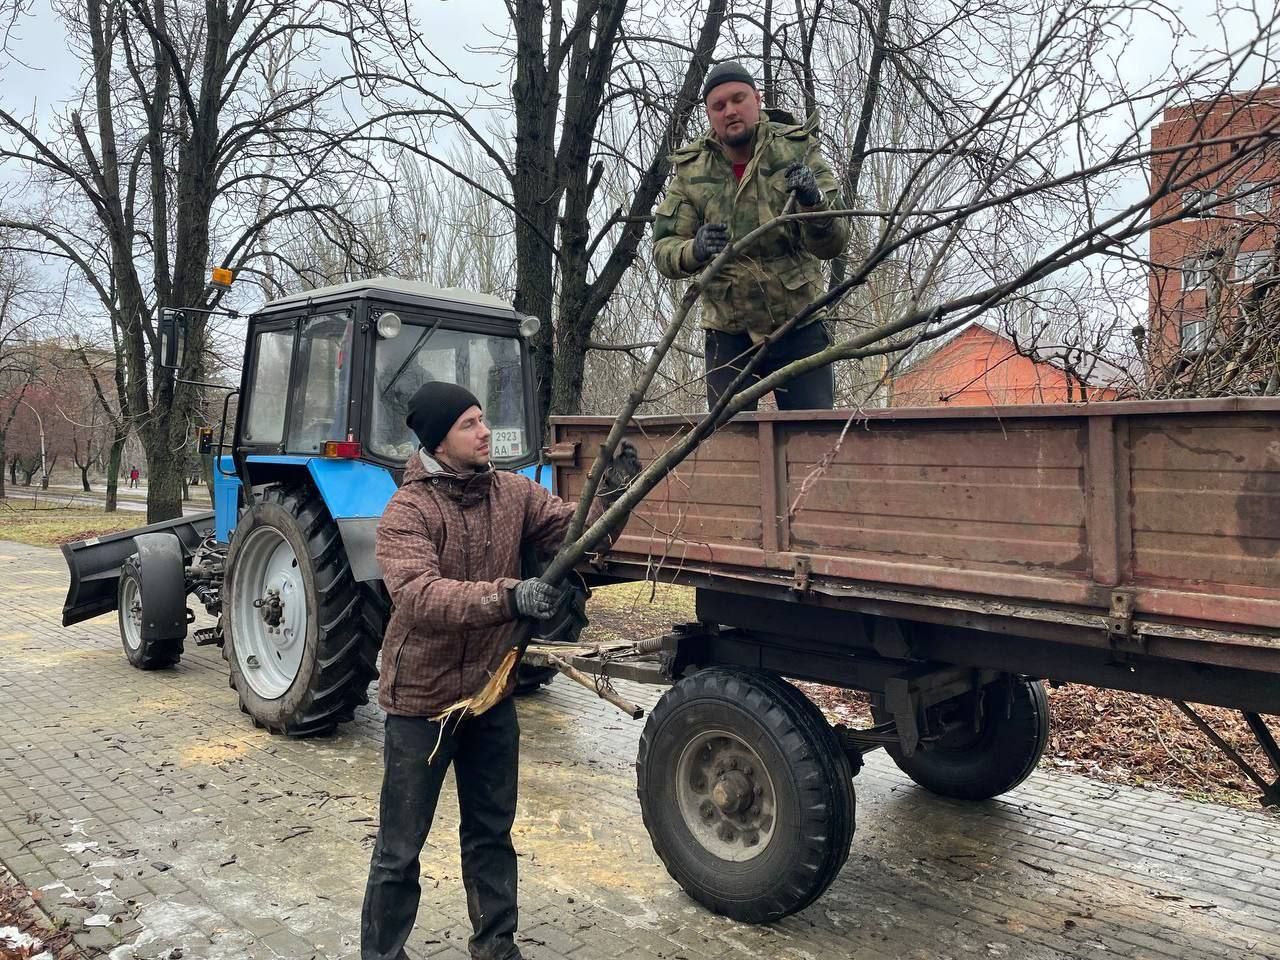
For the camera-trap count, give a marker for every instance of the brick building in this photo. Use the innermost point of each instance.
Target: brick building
(1208, 267)
(981, 367)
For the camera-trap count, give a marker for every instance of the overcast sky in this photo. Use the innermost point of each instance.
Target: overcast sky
(44, 71)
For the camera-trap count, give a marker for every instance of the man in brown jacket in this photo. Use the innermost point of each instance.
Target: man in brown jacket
(449, 544)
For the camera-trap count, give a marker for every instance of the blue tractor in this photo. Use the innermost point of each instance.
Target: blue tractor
(285, 561)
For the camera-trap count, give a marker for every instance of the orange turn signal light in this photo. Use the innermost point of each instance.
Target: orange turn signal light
(341, 449)
(223, 277)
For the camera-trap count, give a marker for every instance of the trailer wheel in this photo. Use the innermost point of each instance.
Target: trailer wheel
(978, 766)
(143, 653)
(302, 635)
(745, 793)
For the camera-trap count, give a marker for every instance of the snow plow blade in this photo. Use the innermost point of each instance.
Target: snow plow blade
(94, 564)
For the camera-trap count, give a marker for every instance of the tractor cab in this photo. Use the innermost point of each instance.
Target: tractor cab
(328, 373)
(326, 383)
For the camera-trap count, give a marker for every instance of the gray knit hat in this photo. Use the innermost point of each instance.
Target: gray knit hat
(730, 71)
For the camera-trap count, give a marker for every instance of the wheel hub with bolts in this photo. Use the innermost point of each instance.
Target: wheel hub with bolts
(271, 608)
(726, 796)
(271, 629)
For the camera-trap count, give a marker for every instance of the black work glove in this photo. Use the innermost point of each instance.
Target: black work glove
(535, 598)
(624, 468)
(710, 239)
(801, 182)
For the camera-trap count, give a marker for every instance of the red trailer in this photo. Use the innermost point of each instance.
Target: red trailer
(946, 561)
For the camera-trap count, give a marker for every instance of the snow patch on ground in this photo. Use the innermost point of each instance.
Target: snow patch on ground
(14, 939)
(166, 925)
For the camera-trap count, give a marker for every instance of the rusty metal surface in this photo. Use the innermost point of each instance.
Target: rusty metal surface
(1175, 502)
(1125, 408)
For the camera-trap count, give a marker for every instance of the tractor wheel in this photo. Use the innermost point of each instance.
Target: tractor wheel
(145, 654)
(302, 635)
(745, 793)
(969, 765)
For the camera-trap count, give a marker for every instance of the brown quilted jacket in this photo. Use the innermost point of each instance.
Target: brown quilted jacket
(449, 547)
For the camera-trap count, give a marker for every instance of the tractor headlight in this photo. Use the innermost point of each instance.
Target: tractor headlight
(389, 326)
(529, 326)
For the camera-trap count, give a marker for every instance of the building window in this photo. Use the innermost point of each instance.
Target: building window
(1253, 198)
(1253, 264)
(1196, 272)
(1199, 203)
(1193, 335)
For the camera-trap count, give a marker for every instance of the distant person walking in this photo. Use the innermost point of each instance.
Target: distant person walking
(133, 477)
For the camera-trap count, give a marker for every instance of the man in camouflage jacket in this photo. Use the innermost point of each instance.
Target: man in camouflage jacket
(449, 544)
(727, 184)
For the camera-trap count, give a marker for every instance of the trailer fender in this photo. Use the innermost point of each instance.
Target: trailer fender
(164, 586)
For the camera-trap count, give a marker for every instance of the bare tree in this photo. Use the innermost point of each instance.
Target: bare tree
(603, 90)
(202, 133)
(21, 309)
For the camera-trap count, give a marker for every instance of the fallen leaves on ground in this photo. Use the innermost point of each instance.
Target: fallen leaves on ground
(24, 931)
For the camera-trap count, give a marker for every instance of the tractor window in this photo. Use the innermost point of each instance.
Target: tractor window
(488, 366)
(269, 387)
(323, 384)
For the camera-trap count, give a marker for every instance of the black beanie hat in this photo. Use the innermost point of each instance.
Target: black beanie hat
(435, 408)
(730, 71)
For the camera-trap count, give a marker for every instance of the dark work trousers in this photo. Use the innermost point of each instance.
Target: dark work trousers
(485, 753)
(728, 353)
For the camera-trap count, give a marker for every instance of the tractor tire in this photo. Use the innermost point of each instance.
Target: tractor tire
(746, 793)
(143, 653)
(301, 635)
(978, 766)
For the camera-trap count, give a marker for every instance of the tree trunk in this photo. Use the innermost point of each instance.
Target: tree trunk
(114, 458)
(84, 478)
(534, 190)
(164, 486)
(571, 361)
(2, 442)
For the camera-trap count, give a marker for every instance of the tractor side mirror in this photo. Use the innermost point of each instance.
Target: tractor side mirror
(173, 338)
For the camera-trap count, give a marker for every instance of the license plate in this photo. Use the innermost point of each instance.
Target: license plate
(506, 443)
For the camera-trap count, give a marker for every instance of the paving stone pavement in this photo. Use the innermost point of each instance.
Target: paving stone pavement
(151, 815)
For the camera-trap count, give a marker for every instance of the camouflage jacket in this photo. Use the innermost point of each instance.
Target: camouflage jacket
(449, 546)
(778, 274)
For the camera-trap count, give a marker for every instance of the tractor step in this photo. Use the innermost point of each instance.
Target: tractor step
(207, 636)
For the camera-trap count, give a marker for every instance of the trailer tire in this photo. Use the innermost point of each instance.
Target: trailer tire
(999, 758)
(142, 651)
(322, 670)
(717, 738)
